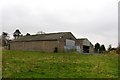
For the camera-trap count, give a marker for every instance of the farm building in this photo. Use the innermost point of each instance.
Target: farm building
(52, 42)
(84, 46)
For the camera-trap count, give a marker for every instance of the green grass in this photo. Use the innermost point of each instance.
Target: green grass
(26, 64)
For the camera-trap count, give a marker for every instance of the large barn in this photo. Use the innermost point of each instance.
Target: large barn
(52, 42)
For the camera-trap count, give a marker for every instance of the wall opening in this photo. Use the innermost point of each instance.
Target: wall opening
(55, 50)
(86, 49)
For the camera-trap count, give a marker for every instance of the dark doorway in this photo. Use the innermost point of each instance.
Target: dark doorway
(85, 49)
(55, 50)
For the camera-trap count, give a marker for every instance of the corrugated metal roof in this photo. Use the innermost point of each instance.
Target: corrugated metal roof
(42, 37)
(81, 40)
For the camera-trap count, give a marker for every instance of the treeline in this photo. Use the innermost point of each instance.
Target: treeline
(5, 38)
(99, 48)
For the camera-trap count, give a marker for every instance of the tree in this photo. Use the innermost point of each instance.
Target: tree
(4, 34)
(97, 47)
(102, 48)
(17, 33)
(110, 47)
(28, 34)
(5, 39)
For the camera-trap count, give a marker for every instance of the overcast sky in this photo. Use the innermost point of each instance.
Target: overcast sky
(96, 20)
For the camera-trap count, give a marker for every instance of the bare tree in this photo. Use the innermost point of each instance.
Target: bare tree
(109, 48)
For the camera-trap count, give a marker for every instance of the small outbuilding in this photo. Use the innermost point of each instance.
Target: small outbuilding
(84, 46)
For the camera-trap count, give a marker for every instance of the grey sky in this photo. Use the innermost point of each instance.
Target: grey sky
(95, 19)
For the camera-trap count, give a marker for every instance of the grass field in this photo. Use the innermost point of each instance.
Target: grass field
(24, 64)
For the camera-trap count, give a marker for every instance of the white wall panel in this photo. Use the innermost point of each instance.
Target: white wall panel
(70, 42)
(86, 42)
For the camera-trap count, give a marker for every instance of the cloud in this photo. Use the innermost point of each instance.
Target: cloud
(94, 19)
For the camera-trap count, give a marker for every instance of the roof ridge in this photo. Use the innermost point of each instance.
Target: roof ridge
(82, 38)
(50, 33)
(47, 36)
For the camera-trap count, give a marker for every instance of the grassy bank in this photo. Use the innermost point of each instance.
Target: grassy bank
(26, 64)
